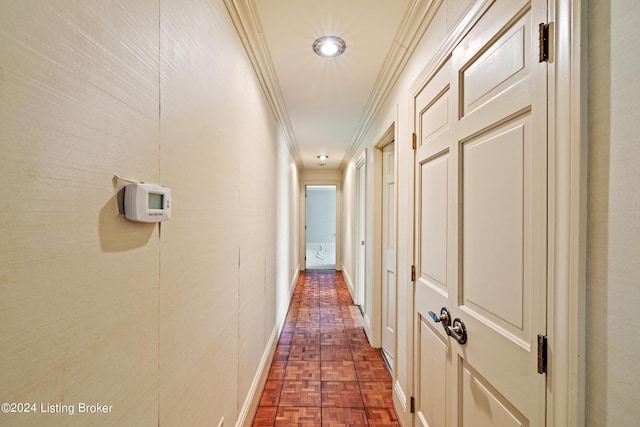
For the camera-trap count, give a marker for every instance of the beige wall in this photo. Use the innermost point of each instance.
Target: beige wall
(170, 324)
(613, 237)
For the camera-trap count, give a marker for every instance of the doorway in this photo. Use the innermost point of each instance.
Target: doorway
(320, 220)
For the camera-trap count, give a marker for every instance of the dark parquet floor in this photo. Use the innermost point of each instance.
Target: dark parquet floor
(324, 372)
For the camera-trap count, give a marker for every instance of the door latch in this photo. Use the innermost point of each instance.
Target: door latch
(444, 317)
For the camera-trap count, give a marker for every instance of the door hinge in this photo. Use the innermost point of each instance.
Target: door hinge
(412, 404)
(413, 273)
(414, 142)
(543, 40)
(542, 354)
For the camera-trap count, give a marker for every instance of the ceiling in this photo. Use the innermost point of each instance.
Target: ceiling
(324, 105)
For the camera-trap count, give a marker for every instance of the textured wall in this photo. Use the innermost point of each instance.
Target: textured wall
(613, 237)
(78, 283)
(168, 324)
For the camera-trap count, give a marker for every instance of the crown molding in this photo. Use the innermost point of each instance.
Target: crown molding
(415, 22)
(244, 16)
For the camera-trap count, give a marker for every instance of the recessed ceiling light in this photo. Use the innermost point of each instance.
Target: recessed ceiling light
(329, 46)
(323, 157)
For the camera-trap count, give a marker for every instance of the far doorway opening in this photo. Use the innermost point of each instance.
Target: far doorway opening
(320, 227)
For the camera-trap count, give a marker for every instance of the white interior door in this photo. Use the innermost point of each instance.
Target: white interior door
(388, 252)
(481, 207)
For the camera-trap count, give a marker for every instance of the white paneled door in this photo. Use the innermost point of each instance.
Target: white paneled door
(388, 252)
(481, 230)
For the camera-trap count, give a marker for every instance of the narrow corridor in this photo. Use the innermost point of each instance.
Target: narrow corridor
(324, 371)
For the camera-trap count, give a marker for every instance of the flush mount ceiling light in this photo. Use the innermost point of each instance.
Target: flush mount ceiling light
(329, 46)
(323, 157)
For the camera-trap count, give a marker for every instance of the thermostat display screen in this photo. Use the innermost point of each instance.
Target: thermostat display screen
(155, 201)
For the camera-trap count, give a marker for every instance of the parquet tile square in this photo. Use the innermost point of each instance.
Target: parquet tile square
(331, 317)
(289, 327)
(343, 370)
(307, 327)
(285, 338)
(301, 393)
(308, 316)
(298, 417)
(271, 393)
(381, 417)
(366, 354)
(298, 370)
(344, 417)
(372, 371)
(342, 394)
(310, 352)
(276, 373)
(335, 352)
(333, 338)
(282, 353)
(265, 417)
(357, 336)
(377, 393)
(328, 302)
(332, 327)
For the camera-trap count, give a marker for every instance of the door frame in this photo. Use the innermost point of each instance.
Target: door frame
(361, 230)
(567, 184)
(303, 219)
(373, 320)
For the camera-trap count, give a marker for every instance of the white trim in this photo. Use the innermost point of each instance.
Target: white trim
(347, 280)
(567, 198)
(303, 212)
(252, 400)
(250, 406)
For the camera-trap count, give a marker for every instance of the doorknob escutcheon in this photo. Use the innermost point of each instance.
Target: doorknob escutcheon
(458, 331)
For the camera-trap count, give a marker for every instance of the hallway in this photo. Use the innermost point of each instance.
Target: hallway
(324, 372)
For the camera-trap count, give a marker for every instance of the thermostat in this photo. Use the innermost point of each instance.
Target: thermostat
(147, 203)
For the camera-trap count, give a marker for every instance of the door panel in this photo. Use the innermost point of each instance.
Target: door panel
(482, 405)
(434, 350)
(492, 217)
(481, 204)
(433, 218)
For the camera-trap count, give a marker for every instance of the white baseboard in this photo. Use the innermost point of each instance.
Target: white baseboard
(292, 285)
(349, 283)
(250, 406)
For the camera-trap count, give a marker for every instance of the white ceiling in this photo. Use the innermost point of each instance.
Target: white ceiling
(324, 105)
